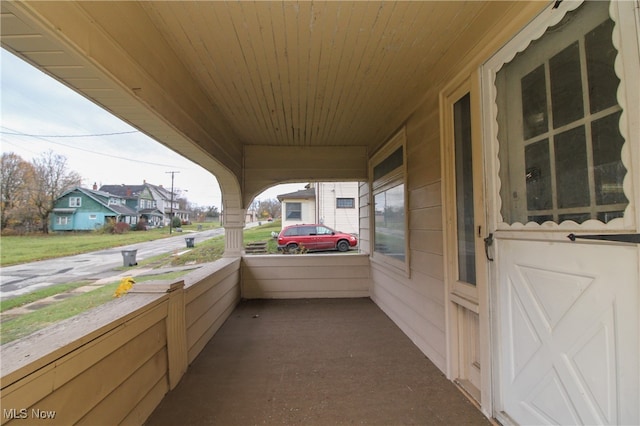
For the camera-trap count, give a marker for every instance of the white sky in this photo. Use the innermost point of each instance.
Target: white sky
(50, 114)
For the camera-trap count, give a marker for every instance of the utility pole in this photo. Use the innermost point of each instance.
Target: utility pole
(171, 207)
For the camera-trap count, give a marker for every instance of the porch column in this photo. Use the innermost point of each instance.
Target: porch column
(233, 228)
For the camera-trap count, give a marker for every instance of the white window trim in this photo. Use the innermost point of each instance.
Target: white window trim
(77, 202)
(390, 180)
(626, 41)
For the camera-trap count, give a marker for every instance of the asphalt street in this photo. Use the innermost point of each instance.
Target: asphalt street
(27, 277)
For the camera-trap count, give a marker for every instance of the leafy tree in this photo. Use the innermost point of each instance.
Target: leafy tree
(15, 174)
(51, 179)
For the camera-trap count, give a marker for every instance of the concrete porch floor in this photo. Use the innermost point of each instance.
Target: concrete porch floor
(313, 362)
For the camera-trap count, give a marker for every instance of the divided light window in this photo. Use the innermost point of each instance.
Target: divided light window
(345, 203)
(388, 190)
(559, 124)
(293, 211)
(75, 201)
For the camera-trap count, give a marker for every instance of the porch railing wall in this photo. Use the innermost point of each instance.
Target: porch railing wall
(305, 276)
(115, 363)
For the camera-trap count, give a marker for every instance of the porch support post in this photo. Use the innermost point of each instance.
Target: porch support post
(233, 240)
(176, 326)
(233, 229)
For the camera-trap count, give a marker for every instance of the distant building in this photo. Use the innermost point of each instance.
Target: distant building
(334, 204)
(154, 203)
(82, 209)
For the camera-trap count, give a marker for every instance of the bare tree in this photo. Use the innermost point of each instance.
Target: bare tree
(51, 179)
(269, 208)
(15, 174)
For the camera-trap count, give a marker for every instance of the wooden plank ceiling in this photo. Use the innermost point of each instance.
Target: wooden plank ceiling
(307, 73)
(226, 75)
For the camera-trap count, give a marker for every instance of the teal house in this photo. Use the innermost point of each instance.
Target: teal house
(82, 209)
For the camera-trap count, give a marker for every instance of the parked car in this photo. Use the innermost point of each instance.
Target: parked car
(314, 237)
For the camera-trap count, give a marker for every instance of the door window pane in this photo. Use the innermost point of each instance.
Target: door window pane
(566, 86)
(601, 56)
(534, 111)
(571, 169)
(538, 175)
(608, 169)
(464, 191)
(560, 148)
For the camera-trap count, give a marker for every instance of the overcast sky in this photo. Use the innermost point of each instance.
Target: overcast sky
(39, 114)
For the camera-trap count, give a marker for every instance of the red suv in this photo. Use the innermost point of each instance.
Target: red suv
(314, 237)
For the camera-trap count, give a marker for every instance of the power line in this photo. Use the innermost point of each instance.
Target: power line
(68, 136)
(84, 149)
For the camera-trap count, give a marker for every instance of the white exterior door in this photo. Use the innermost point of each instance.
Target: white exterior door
(568, 332)
(562, 148)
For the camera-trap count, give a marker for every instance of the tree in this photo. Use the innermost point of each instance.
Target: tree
(15, 174)
(269, 208)
(51, 179)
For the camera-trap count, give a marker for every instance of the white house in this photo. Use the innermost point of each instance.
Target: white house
(334, 204)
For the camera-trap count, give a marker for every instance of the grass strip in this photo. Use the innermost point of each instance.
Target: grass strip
(28, 248)
(26, 324)
(18, 301)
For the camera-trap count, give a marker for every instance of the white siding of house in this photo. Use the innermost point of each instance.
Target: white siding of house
(308, 212)
(340, 219)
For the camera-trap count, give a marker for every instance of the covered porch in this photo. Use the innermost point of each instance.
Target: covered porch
(313, 361)
(483, 134)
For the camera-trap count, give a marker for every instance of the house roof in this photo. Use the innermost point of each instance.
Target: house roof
(301, 194)
(100, 197)
(124, 191)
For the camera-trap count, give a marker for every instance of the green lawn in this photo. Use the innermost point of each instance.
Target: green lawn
(206, 251)
(23, 325)
(28, 248)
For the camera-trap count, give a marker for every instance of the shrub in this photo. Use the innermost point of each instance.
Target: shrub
(107, 228)
(121, 228)
(141, 226)
(176, 222)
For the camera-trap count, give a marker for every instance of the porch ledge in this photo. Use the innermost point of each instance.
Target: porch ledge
(45, 346)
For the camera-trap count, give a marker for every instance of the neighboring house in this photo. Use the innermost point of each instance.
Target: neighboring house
(167, 204)
(153, 202)
(81, 209)
(140, 199)
(334, 204)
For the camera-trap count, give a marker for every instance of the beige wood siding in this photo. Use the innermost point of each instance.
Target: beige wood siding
(364, 238)
(305, 276)
(92, 351)
(211, 295)
(416, 302)
(130, 352)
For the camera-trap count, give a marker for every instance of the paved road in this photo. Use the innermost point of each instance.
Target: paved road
(27, 277)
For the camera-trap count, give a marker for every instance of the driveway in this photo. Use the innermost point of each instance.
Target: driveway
(27, 277)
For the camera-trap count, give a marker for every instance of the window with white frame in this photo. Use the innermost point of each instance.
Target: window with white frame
(293, 211)
(559, 124)
(345, 203)
(75, 201)
(388, 190)
(62, 220)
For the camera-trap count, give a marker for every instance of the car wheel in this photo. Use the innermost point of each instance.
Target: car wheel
(292, 248)
(343, 245)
